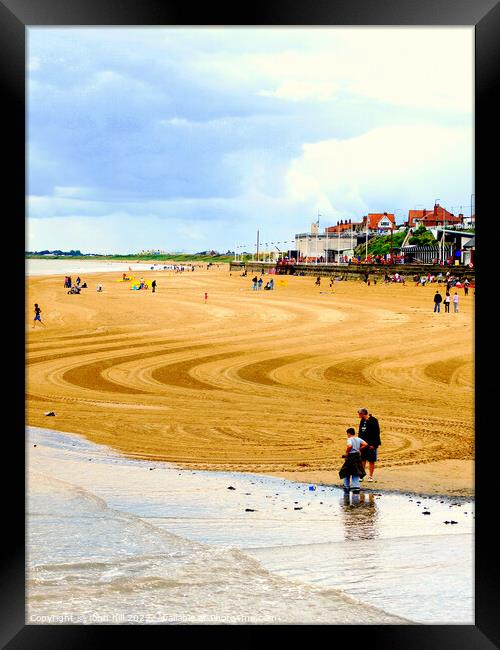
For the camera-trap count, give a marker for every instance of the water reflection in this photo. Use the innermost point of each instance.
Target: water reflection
(359, 514)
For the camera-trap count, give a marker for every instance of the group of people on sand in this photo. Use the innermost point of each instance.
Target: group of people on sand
(76, 287)
(361, 448)
(438, 299)
(395, 277)
(450, 280)
(258, 282)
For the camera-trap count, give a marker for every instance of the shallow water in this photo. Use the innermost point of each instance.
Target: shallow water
(119, 540)
(71, 266)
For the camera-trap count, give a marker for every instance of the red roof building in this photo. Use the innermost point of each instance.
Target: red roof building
(439, 216)
(379, 221)
(343, 226)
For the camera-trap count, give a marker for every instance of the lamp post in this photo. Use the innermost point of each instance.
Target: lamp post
(317, 232)
(441, 249)
(366, 242)
(392, 227)
(326, 247)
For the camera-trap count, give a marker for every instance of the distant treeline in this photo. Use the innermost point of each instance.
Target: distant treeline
(57, 252)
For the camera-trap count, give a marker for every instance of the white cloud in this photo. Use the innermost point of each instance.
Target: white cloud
(388, 161)
(302, 90)
(425, 67)
(71, 192)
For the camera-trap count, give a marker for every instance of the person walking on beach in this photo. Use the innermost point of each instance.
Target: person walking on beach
(153, 286)
(437, 302)
(38, 311)
(206, 297)
(447, 302)
(455, 302)
(353, 468)
(254, 283)
(318, 281)
(260, 282)
(369, 431)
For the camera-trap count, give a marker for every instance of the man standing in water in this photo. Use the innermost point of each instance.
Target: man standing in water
(369, 431)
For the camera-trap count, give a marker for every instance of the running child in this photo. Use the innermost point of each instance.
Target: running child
(38, 311)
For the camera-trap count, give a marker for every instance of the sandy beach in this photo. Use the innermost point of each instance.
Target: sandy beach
(263, 382)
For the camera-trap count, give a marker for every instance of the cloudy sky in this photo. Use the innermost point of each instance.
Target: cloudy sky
(192, 138)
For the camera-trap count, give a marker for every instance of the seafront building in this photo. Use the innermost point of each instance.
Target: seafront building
(336, 243)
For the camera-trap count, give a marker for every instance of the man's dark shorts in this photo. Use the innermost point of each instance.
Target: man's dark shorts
(369, 454)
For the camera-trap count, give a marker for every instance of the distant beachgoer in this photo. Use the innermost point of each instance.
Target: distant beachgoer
(318, 281)
(369, 431)
(38, 318)
(254, 283)
(455, 302)
(437, 301)
(84, 285)
(69, 281)
(78, 281)
(447, 302)
(353, 468)
(271, 284)
(260, 282)
(153, 286)
(466, 287)
(99, 287)
(206, 296)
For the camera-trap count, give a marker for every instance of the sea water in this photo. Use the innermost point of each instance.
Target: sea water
(75, 267)
(117, 540)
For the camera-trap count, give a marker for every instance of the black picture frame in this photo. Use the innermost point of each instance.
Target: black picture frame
(15, 17)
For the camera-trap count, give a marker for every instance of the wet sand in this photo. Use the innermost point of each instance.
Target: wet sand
(262, 382)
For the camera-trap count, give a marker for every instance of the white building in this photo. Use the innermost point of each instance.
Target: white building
(325, 247)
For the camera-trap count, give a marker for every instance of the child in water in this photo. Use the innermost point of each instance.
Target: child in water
(352, 467)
